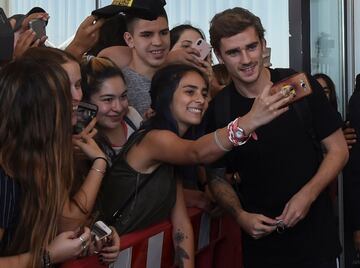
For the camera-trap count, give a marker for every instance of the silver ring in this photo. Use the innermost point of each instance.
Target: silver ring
(82, 239)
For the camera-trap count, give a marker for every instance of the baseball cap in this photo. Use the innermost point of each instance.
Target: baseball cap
(144, 9)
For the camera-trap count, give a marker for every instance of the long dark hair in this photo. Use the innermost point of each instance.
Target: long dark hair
(331, 86)
(163, 85)
(177, 31)
(36, 148)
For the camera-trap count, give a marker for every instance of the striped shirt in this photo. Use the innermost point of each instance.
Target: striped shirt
(9, 207)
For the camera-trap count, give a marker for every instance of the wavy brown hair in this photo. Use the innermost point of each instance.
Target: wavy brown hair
(36, 148)
(231, 22)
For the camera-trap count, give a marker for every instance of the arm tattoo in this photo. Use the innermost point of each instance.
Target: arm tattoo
(180, 253)
(223, 191)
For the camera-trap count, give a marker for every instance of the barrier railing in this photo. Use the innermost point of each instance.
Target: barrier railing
(217, 240)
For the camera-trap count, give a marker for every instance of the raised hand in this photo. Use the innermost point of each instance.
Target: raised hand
(349, 134)
(267, 107)
(110, 252)
(86, 36)
(86, 143)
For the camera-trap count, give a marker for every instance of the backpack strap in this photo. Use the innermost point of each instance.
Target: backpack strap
(130, 123)
(303, 112)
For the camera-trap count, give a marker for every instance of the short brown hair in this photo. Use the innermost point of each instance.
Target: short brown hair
(231, 22)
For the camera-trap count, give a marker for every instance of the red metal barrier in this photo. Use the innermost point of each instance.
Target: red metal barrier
(217, 240)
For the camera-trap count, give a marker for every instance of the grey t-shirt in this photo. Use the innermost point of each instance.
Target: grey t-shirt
(138, 87)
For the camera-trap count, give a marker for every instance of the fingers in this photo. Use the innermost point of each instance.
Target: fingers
(34, 16)
(84, 240)
(90, 131)
(193, 51)
(26, 38)
(263, 226)
(92, 24)
(109, 257)
(283, 214)
(291, 216)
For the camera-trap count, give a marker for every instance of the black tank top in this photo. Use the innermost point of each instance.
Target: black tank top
(138, 200)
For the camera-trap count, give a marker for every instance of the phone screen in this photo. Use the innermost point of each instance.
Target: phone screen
(85, 113)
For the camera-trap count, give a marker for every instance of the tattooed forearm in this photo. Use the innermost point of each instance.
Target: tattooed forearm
(180, 253)
(224, 193)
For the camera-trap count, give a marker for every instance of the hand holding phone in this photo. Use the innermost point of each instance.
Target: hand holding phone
(85, 113)
(100, 230)
(203, 47)
(38, 26)
(296, 85)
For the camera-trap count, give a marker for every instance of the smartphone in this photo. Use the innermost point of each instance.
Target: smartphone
(38, 26)
(84, 113)
(100, 230)
(203, 47)
(297, 84)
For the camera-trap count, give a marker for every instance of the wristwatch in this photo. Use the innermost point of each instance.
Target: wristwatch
(237, 134)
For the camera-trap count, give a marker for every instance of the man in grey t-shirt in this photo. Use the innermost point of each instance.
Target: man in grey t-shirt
(149, 41)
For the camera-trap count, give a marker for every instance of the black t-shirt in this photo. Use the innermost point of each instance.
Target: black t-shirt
(274, 168)
(352, 170)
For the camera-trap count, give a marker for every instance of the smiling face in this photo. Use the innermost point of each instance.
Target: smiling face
(72, 69)
(150, 41)
(189, 101)
(242, 55)
(112, 102)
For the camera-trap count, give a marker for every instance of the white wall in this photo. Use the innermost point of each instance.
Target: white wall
(4, 6)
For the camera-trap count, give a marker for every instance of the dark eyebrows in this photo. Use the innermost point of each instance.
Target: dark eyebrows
(190, 86)
(107, 96)
(233, 50)
(237, 49)
(253, 44)
(195, 87)
(151, 32)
